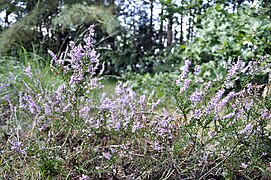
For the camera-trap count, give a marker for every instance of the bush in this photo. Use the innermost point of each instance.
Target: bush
(224, 36)
(158, 86)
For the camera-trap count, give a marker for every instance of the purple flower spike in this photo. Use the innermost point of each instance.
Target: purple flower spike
(92, 55)
(54, 58)
(185, 86)
(228, 116)
(215, 100)
(185, 72)
(247, 129)
(27, 71)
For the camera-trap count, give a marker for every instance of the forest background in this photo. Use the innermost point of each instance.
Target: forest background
(140, 36)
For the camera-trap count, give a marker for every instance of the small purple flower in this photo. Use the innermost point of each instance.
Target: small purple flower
(239, 65)
(248, 105)
(197, 114)
(89, 41)
(131, 93)
(76, 53)
(142, 99)
(76, 66)
(47, 109)
(84, 110)
(118, 89)
(155, 104)
(133, 109)
(247, 129)
(67, 107)
(92, 55)
(32, 106)
(265, 114)
(17, 147)
(156, 146)
(228, 116)
(136, 126)
(243, 165)
(113, 150)
(7, 97)
(2, 87)
(196, 96)
(91, 29)
(106, 155)
(197, 70)
(84, 177)
(76, 78)
(117, 126)
(166, 113)
(249, 89)
(60, 89)
(59, 62)
(21, 104)
(232, 71)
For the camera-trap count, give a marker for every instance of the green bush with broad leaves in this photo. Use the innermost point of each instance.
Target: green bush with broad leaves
(159, 85)
(223, 36)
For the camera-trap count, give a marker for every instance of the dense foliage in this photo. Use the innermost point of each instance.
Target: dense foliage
(223, 35)
(139, 36)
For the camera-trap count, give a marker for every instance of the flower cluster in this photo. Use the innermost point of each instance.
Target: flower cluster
(185, 72)
(78, 61)
(17, 147)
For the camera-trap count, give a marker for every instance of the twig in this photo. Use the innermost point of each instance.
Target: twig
(107, 37)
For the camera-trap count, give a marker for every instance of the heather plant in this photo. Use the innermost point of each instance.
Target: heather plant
(226, 112)
(75, 131)
(77, 66)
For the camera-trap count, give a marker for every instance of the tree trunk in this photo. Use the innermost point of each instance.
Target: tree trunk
(181, 31)
(6, 18)
(58, 33)
(112, 39)
(169, 31)
(160, 44)
(151, 27)
(189, 25)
